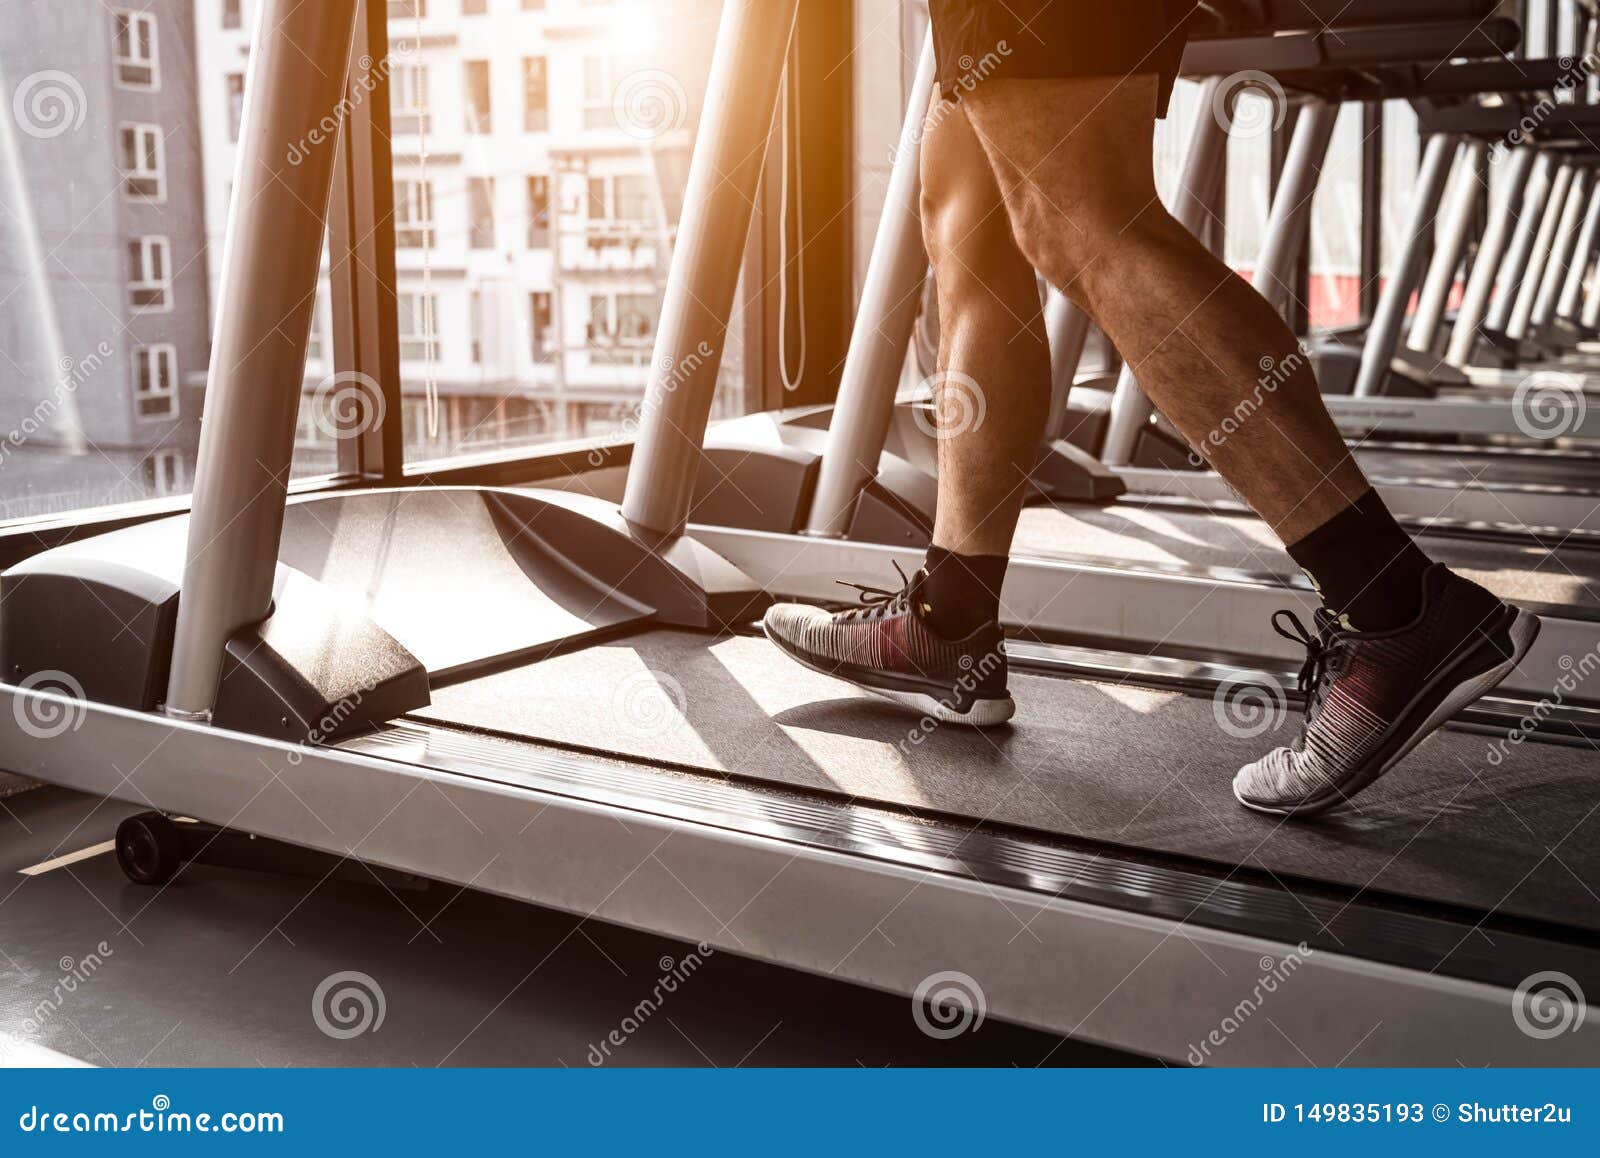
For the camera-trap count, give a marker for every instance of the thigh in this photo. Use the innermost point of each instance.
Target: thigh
(1078, 149)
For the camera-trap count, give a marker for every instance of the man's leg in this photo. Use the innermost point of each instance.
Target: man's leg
(1403, 644)
(1073, 158)
(992, 391)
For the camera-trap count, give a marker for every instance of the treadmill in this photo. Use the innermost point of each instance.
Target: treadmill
(543, 695)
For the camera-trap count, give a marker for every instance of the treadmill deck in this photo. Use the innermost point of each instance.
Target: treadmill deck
(1120, 765)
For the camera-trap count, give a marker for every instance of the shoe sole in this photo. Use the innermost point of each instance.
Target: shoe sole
(984, 713)
(1524, 630)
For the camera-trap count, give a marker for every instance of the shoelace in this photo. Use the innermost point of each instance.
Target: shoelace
(1325, 650)
(875, 601)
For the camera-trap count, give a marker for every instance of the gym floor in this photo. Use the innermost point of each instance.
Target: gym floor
(223, 967)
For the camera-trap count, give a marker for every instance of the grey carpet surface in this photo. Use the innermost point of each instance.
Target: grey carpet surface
(1519, 834)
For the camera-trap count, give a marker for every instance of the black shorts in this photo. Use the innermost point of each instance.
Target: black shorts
(978, 40)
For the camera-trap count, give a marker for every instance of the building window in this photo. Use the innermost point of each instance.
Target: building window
(235, 104)
(135, 55)
(474, 7)
(416, 315)
(230, 14)
(542, 317)
(315, 348)
(533, 5)
(163, 473)
(535, 94)
(597, 93)
(480, 204)
(475, 325)
(408, 102)
(408, 9)
(155, 381)
(475, 96)
(538, 211)
(143, 168)
(413, 214)
(149, 274)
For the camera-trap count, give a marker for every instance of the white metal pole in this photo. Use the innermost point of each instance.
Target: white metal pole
(1486, 266)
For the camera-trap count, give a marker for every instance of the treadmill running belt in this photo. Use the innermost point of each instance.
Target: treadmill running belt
(1137, 534)
(1098, 761)
(1455, 463)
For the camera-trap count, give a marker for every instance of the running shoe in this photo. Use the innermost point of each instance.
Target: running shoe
(1373, 696)
(884, 646)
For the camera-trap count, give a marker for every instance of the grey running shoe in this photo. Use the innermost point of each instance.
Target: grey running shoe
(885, 647)
(1373, 696)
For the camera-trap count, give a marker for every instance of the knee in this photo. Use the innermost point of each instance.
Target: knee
(969, 241)
(1076, 244)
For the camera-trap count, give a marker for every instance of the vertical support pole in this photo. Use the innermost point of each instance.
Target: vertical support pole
(888, 311)
(1208, 148)
(1460, 209)
(1372, 130)
(1517, 324)
(724, 175)
(1582, 255)
(1289, 220)
(1384, 335)
(276, 223)
(1486, 266)
(1066, 328)
(1556, 268)
(1535, 196)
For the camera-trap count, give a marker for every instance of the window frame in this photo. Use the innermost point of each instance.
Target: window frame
(135, 18)
(167, 353)
(159, 174)
(138, 277)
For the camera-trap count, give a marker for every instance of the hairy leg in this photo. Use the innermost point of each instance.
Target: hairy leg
(992, 391)
(1073, 161)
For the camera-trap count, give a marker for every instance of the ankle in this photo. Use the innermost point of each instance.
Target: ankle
(958, 594)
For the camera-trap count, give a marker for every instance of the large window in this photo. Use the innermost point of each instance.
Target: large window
(144, 169)
(149, 274)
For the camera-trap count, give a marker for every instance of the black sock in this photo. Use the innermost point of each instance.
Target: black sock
(960, 593)
(1364, 566)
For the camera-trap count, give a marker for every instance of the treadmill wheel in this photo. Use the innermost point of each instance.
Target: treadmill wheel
(149, 848)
